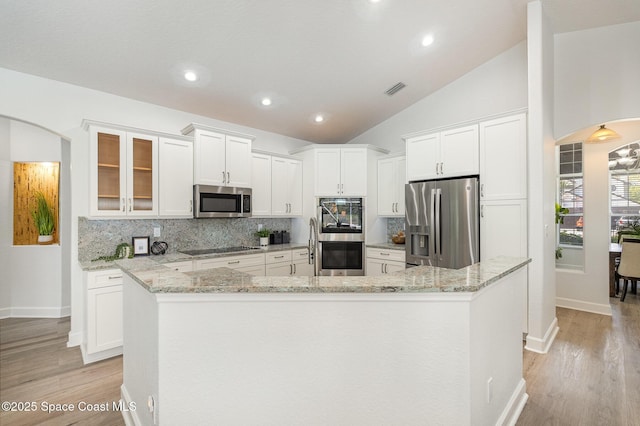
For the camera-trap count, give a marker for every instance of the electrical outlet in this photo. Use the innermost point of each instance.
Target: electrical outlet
(156, 231)
(259, 227)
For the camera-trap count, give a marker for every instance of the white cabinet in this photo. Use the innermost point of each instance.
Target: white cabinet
(391, 181)
(288, 262)
(260, 184)
(220, 158)
(250, 263)
(503, 228)
(182, 266)
(503, 187)
(503, 158)
(176, 178)
(444, 154)
(103, 320)
(276, 186)
(123, 178)
(384, 261)
(341, 171)
(286, 187)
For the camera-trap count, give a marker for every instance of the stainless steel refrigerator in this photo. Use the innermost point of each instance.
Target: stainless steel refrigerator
(442, 222)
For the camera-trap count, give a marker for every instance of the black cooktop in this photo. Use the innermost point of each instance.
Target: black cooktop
(218, 250)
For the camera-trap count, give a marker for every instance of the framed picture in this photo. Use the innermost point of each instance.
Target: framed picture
(140, 246)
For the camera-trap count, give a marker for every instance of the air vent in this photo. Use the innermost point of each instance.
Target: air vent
(395, 89)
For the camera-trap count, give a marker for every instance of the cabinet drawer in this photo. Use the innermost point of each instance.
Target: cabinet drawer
(300, 255)
(386, 254)
(184, 266)
(104, 278)
(279, 256)
(233, 262)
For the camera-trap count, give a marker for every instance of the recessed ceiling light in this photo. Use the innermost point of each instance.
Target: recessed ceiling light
(427, 40)
(265, 101)
(190, 76)
(318, 118)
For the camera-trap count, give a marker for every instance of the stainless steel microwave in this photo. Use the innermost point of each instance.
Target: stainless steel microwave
(221, 201)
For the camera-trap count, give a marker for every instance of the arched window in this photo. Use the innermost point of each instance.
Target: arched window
(624, 180)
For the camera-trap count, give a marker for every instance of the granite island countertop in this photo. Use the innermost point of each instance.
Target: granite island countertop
(157, 278)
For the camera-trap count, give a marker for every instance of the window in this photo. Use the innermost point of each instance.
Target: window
(624, 180)
(571, 194)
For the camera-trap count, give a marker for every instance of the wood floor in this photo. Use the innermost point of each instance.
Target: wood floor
(591, 376)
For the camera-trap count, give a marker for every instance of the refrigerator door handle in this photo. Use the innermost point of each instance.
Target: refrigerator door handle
(438, 229)
(433, 226)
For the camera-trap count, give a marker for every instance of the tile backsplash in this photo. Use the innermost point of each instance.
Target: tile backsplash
(101, 237)
(394, 225)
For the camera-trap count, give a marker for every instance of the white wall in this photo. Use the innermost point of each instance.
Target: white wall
(542, 327)
(34, 272)
(6, 200)
(498, 86)
(589, 93)
(597, 76)
(588, 288)
(61, 107)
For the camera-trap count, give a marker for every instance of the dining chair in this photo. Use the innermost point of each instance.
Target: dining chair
(629, 267)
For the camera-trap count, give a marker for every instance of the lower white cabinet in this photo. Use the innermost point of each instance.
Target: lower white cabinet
(503, 228)
(103, 325)
(384, 261)
(288, 262)
(250, 263)
(182, 266)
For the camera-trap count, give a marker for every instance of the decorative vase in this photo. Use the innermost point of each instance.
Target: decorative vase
(264, 241)
(45, 239)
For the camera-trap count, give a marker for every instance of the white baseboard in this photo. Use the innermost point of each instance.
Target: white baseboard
(130, 417)
(580, 305)
(98, 356)
(52, 312)
(5, 313)
(514, 407)
(75, 339)
(542, 345)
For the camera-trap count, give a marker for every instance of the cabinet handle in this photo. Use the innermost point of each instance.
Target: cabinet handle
(130, 205)
(385, 268)
(231, 263)
(338, 188)
(224, 177)
(482, 190)
(115, 277)
(382, 268)
(123, 205)
(342, 188)
(278, 257)
(295, 269)
(481, 211)
(191, 206)
(228, 177)
(291, 269)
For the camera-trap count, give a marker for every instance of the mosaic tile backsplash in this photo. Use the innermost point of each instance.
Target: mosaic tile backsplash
(394, 225)
(101, 237)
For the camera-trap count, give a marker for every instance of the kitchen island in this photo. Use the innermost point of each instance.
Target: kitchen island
(424, 346)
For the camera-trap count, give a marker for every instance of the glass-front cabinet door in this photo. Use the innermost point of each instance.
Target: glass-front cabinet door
(124, 173)
(142, 177)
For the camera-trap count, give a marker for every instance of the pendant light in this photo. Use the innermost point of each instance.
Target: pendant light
(602, 134)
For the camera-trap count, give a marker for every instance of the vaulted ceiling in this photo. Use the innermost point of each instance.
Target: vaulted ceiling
(332, 57)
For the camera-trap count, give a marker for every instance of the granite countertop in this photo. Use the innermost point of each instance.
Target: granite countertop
(390, 246)
(157, 278)
(182, 257)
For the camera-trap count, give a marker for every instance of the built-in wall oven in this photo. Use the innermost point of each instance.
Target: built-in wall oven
(340, 236)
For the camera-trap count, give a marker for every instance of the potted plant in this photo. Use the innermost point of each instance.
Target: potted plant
(560, 212)
(43, 219)
(264, 237)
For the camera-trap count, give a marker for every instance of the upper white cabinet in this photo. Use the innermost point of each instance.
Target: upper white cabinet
(123, 177)
(444, 154)
(260, 184)
(276, 185)
(286, 187)
(503, 158)
(391, 181)
(176, 179)
(220, 158)
(341, 171)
